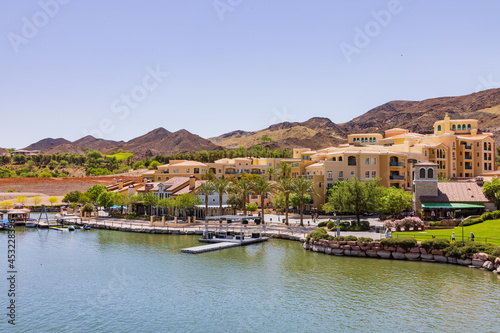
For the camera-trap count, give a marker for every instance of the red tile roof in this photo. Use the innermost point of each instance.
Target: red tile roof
(457, 192)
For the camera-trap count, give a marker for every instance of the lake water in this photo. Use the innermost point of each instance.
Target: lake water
(108, 281)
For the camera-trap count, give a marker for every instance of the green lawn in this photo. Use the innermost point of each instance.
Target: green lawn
(121, 156)
(486, 232)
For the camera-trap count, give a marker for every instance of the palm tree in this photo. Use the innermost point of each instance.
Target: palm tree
(285, 170)
(207, 189)
(270, 173)
(302, 186)
(285, 186)
(221, 187)
(262, 187)
(244, 187)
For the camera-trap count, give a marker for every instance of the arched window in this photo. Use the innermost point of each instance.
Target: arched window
(340, 158)
(371, 139)
(351, 160)
(453, 127)
(430, 173)
(334, 159)
(439, 128)
(463, 127)
(459, 127)
(422, 173)
(374, 140)
(485, 146)
(468, 127)
(362, 139)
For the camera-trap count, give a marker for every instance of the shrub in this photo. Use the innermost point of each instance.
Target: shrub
(437, 244)
(88, 208)
(388, 224)
(11, 190)
(456, 250)
(323, 224)
(496, 214)
(319, 234)
(330, 224)
(350, 238)
(487, 216)
(434, 224)
(472, 221)
(252, 206)
(365, 239)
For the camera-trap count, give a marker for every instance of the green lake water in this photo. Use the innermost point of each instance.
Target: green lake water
(108, 281)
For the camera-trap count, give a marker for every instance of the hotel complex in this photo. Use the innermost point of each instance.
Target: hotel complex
(457, 148)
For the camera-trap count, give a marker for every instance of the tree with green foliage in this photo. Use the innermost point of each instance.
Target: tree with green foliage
(21, 199)
(303, 187)
(243, 187)
(355, 196)
(262, 187)
(396, 200)
(252, 206)
(36, 200)
(138, 165)
(72, 196)
(166, 203)
(105, 199)
(83, 198)
(94, 191)
(95, 154)
(88, 208)
(492, 190)
(188, 202)
(150, 200)
(154, 165)
(285, 186)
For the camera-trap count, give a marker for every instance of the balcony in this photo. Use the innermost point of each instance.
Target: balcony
(396, 177)
(351, 163)
(468, 147)
(468, 167)
(396, 164)
(231, 172)
(468, 157)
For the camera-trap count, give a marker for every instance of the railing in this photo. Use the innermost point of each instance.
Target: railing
(396, 177)
(351, 163)
(396, 164)
(228, 172)
(306, 176)
(468, 157)
(468, 147)
(468, 167)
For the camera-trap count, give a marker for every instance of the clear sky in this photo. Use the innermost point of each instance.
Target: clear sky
(120, 68)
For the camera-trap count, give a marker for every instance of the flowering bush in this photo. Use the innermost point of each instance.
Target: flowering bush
(388, 224)
(410, 221)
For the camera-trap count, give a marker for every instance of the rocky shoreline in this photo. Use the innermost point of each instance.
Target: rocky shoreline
(417, 253)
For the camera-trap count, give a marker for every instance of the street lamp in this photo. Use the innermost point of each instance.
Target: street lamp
(463, 242)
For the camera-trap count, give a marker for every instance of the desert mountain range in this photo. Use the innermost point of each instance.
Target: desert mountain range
(417, 116)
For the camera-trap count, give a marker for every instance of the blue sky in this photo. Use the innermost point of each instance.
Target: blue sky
(118, 69)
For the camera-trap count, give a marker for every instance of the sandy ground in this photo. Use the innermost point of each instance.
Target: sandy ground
(45, 187)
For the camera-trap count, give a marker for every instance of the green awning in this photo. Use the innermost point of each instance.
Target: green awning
(452, 205)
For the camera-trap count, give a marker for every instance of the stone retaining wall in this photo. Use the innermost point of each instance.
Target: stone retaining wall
(417, 253)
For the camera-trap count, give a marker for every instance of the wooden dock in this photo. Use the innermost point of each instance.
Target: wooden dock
(221, 243)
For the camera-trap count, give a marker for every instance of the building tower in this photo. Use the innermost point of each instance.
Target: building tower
(425, 182)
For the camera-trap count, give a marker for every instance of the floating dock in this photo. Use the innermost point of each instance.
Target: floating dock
(222, 243)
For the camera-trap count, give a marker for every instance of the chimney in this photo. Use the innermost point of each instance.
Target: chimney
(120, 184)
(192, 182)
(148, 187)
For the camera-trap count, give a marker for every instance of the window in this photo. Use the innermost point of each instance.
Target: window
(463, 127)
(422, 173)
(187, 170)
(334, 159)
(453, 127)
(425, 153)
(159, 178)
(329, 173)
(453, 154)
(196, 170)
(453, 145)
(374, 161)
(459, 127)
(340, 158)
(341, 174)
(351, 160)
(439, 128)
(352, 173)
(430, 173)
(367, 174)
(367, 161)
(374, 174)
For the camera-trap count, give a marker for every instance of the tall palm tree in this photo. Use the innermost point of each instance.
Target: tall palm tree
(285, 186)
(270, 173)
(221, 187)
(244, 186)
(207, 188)
(262, 187)
(302, 186)
(285, 170)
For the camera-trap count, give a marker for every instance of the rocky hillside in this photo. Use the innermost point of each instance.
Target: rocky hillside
(315, 133)
(420, 116)
(46, 144)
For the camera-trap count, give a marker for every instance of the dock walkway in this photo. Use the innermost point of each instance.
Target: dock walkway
(209, 247)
